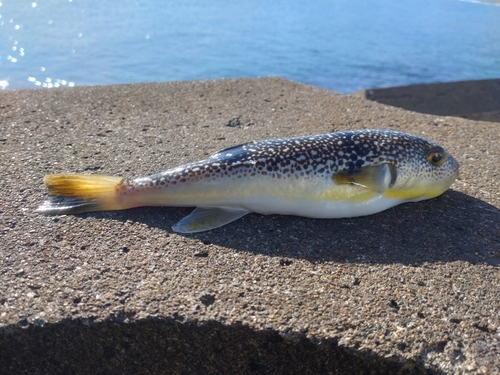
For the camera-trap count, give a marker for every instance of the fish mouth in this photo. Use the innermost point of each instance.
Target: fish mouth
(425, 190)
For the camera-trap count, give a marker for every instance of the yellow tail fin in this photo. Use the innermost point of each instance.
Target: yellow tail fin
(76, 193)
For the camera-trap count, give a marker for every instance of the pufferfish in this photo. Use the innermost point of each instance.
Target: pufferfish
(335, 175)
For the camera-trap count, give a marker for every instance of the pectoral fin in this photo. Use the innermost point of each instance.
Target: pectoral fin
(377, 178)
(202, 219)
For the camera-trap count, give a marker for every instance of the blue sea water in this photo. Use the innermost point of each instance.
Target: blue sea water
(343, 45)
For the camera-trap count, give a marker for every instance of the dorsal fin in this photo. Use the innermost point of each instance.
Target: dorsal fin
(231, 148)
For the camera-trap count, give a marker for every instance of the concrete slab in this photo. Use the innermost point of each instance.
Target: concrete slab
(415, 289)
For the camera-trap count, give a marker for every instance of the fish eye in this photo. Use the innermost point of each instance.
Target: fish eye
(436, 156)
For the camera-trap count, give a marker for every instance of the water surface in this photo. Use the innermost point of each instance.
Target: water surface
(343, 45)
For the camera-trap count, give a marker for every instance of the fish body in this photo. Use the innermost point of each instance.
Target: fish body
(334, 175)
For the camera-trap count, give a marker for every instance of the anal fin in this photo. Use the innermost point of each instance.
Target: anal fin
(202, 219)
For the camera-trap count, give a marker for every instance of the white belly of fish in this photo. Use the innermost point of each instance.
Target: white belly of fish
(228, 210)
(303, 207)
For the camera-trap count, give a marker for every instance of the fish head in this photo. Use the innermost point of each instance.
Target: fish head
(423, 170)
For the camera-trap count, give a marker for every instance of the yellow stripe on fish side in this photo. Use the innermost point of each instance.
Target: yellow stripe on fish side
(415, 192)
(347, 193)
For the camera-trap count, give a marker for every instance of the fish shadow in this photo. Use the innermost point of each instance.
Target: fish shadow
(451, 227)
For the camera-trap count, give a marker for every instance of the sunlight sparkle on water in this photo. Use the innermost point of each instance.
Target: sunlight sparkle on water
(17, 49)
(49, 84)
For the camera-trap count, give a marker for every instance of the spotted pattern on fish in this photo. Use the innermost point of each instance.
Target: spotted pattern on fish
(324, 154)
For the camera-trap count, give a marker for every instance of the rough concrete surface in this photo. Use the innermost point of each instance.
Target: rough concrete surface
(414, 289)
